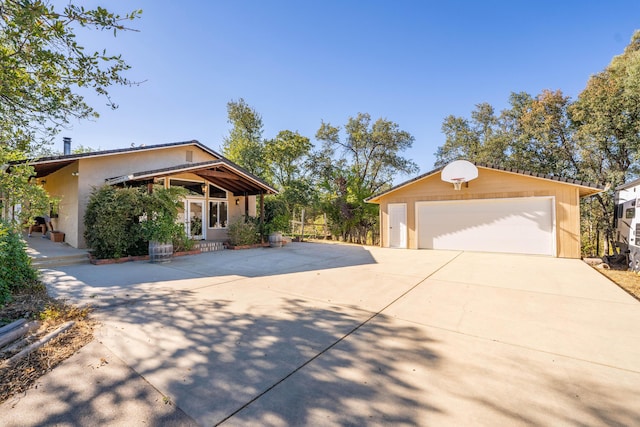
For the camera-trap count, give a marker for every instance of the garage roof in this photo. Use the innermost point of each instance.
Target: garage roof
(586, 188)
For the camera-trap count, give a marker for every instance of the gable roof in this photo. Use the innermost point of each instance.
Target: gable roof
(46, 165)
(222, 173)
(586, 188)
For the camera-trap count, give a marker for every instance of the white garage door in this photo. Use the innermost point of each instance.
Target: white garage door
(523, 225)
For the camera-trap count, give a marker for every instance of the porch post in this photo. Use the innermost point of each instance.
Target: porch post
(246, 206)
(262, 216)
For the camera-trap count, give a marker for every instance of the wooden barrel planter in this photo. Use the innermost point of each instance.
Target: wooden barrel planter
(160, 252)
(275, 239)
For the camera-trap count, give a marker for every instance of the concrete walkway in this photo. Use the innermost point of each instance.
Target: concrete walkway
(316, 334)
(47, 254)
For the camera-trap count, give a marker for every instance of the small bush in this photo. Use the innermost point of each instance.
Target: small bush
(161, 209)
(112, 222)
(15, 265)
(182, 242)
(243, 231)
(276, 216)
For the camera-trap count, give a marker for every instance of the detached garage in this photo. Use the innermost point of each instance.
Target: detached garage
(499, 211)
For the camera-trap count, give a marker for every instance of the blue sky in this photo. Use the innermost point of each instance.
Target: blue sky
(298, 63)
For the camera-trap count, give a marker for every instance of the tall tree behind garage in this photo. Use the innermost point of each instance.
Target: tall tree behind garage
(595, 138)
(352, 168)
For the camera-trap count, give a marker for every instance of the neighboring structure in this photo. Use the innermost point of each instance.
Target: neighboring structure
(501, 210)
(219, 190)
(627, 226)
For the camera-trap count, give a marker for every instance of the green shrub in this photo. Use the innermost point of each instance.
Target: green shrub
(161, 213)
(243, 231)
(121, 221)
(182, 242)
(276, 216)
(15, 265)
(112, 223)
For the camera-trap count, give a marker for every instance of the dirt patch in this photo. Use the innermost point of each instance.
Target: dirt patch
(37, 305)
(627, 280)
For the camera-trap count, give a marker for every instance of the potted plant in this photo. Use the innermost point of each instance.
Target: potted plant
(273, 229)
(159, 225)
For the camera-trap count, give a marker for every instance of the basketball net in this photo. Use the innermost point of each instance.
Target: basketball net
(457, 183)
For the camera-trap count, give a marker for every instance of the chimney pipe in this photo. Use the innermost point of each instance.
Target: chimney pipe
(67, 145)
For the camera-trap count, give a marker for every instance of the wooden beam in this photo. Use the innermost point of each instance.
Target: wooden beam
(234, 186)
(262, 217)
(218, 174)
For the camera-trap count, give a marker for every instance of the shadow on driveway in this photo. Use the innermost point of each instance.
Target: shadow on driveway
(111, 284)
(233, 338)
(215, 357)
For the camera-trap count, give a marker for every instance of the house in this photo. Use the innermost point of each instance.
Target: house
(218, 190)
(502, 210)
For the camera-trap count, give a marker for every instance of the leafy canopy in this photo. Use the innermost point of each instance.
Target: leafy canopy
(595, 138)
(45, 69)
(244, 144)
(351, 168)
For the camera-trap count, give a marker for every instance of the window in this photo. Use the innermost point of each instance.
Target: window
(630, 213)
(218, 214)
(194, 188)
(189, 156)
(216, 193)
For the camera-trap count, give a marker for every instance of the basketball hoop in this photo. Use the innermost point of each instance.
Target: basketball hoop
(458, 172)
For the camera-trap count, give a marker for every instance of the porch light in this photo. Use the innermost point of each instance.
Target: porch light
(237, 202)
(76, 173)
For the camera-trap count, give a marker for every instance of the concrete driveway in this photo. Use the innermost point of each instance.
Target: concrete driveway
(319, 334)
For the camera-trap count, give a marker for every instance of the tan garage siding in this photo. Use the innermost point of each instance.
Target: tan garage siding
(490, 184)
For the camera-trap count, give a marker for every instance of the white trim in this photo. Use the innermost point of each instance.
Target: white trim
(376, 198)
(218, 201)
(187, 216)
(118, 179)
(554, 242)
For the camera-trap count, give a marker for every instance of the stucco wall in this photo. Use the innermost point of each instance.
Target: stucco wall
(491, 184)
(63, 185)
(234, 211)
(93, 171)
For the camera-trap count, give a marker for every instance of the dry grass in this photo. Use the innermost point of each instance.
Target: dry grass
(35, 304)
(627, 280)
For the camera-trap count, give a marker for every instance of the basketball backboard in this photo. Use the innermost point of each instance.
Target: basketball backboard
(458, 172)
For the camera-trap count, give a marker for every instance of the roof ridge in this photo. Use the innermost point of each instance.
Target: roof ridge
(118, 151)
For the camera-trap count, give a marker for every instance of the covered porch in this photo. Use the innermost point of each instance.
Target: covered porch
(218, 192)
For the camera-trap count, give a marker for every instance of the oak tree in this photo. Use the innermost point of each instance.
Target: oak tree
(45, 72)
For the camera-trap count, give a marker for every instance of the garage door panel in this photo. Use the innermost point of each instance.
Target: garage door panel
(521, 225)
